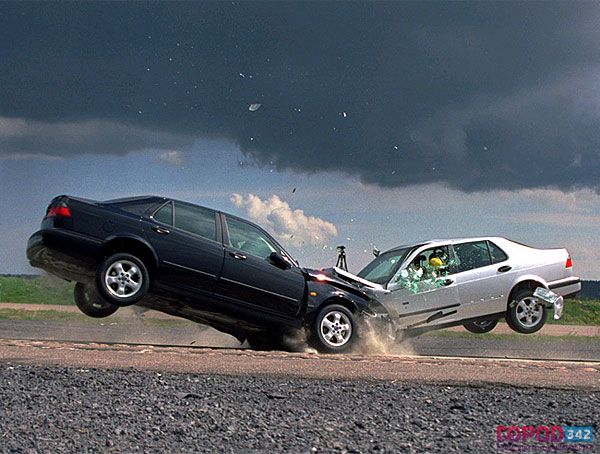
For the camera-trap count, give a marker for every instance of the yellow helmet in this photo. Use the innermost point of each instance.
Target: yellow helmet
(436, 262)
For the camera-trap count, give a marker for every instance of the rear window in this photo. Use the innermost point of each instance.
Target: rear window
(137, 207)
(497, 254)
(165, 214)
(469, 256)
(197, 220)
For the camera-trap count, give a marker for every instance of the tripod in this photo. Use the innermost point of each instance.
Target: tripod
(341, 260)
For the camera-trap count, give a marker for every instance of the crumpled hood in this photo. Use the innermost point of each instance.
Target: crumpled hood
(340, 278)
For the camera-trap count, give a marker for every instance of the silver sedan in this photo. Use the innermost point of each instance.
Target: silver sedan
(469, 281)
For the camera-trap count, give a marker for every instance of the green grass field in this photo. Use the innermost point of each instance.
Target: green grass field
(38, 290)
(579, 312)
(51, 290)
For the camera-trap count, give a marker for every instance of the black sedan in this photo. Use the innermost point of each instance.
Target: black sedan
(197, 263)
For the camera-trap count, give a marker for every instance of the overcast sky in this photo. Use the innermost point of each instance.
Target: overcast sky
(394, 122)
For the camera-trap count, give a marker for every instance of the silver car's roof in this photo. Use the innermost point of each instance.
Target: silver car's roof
(440, 241)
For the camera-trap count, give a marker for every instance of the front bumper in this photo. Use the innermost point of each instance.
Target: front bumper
(65, 254)
(551, 300)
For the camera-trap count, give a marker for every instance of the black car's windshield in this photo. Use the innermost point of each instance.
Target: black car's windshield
(383, 268)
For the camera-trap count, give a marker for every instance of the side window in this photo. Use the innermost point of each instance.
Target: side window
(197, 220)
(498, 255)
(248, 238)
(165, 214)
(471, 255)
(431, 260)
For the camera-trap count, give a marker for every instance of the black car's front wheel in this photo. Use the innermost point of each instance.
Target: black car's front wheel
(89, 301)
(122, 279)
(334, 329)
(480, 327)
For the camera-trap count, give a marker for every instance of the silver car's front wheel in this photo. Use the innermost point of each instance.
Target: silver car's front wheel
(526, 314)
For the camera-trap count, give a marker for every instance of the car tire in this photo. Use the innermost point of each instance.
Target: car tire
(525, 314)
(481, 326)
(334, 329)
(122, 279)
(89, 301)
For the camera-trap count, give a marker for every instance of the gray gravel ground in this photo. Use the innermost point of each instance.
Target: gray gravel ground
(57, 409)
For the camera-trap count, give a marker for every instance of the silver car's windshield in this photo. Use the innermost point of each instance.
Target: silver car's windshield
(383, 268)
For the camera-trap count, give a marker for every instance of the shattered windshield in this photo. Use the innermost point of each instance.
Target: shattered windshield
(384, 266)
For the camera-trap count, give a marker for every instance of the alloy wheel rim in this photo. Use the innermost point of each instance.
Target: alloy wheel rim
(123, 279)
(336, 328)
(529, 312)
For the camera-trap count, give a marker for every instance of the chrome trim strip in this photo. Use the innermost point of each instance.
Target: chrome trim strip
(424, 311)
(188, 268)
(564, 282)
(260, 289)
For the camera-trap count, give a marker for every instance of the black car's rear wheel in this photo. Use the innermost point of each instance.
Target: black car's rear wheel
(480, 327)
(526, 314)
(122, 279)
(89, 301)
(334, 329)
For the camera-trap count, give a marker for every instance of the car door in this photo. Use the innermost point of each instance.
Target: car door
(483, 277)
(251, 279)
(427, 300)
(188, 244)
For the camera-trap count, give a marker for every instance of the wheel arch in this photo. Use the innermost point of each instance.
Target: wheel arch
(342, 301)
(132, 245)
(529, 282)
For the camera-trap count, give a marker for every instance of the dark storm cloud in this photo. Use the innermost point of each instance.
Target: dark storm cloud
(476, 95)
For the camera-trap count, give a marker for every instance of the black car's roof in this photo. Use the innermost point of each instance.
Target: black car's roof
(136, 199)
(155, 198)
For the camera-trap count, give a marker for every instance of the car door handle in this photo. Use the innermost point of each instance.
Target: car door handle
(237, 256)
(449, 282)
(161, 230)
(505, 268)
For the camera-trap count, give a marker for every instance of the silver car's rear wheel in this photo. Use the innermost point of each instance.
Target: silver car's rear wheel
(526, 314)
(529, 311)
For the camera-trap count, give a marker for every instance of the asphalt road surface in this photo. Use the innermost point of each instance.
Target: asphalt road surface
(195, 390)
(186, 334)
(69, 409)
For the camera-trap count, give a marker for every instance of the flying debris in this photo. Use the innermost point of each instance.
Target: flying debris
(254, 107)
(344, 114)
(293, 190)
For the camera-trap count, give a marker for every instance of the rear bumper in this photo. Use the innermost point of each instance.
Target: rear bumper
(568, 287)
(66, 254)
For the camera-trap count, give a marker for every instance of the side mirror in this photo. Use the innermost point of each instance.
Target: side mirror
(279, 261)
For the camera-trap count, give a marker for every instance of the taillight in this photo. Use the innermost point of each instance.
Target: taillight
(59, 210)
(569, 263)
